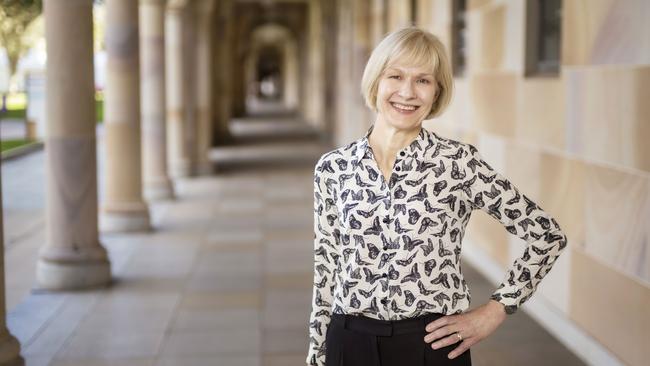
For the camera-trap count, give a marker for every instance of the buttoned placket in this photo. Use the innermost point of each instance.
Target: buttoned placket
(385, 212)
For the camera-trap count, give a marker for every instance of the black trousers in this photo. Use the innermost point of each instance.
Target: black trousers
(354, 340)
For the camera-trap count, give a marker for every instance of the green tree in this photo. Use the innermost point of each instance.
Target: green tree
(15, 18)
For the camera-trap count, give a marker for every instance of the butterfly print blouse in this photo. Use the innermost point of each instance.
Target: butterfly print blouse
(391, 249)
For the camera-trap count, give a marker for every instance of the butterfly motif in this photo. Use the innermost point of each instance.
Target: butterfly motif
(375, 229)
(347, 209)
(455, 297)
(392, 273)
(359, 261)
(414, 216)
(442, 231)
(389, 243)
(368, 214)
(427, 248)
(399, 229)
(409, 243)
(395, 309)
(385, 258)
(354, 223)
(424, 305)
(354, 301)
(342, 179)
(399, 208)
(447, 262)
(370, 277)
(456, 155)
(442, 252)
(414, 276)
(441, 279)
(347, 285)
(361, 183)
(372, 174)
(429, 266)
(423, 290)
(440, 298)
(450, 199)
(423, 166)
(430, 209)
(439, 187)
(373, 197)
(368, 293)
(456, 172)
(426, 224)
(373, 251)
(394, 290)
(407, 261)
(409, 298)
(420, 196)
(417, 182)
(399, 192)
(372, 308)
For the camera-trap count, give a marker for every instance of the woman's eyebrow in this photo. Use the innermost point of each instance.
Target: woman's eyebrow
(399, 70)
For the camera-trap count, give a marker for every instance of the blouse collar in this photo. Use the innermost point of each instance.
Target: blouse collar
(421, 141)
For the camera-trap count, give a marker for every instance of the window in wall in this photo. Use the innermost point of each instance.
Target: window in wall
(543, 36)
(458, 36)
(414, 12)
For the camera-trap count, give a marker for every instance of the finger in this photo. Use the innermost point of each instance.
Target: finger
(464, 346)
(445, 320)
(439, 333)
(451, 339)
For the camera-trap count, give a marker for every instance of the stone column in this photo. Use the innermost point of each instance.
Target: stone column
(72, 256)
(9, 346)
(123, 207)
(223, 43)
(204, 93)
(156, 183)
(178, 154)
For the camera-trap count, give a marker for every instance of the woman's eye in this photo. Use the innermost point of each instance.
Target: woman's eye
(425, 81)
(394, 77)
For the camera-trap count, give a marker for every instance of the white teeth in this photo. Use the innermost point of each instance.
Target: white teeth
(405, 107)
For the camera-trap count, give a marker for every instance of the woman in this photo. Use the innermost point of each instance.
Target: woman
(390, 211)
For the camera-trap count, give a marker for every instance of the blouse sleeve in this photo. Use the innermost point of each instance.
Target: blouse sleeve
(326, 241)
(495, 194)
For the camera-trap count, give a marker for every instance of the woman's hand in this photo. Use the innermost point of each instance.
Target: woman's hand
(473, 326)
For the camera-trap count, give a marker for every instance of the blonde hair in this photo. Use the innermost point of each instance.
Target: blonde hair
(419, 48)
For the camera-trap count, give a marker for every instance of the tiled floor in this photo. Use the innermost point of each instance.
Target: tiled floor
(224, 279)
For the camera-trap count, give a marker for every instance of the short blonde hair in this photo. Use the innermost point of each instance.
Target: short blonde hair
(420, 48)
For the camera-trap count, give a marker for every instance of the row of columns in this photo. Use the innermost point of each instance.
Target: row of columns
(146, 131)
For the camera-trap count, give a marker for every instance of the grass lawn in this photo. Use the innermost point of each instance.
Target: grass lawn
(11, 144)
(17, 102)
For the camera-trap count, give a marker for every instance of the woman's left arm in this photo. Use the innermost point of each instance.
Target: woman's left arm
(493, 193)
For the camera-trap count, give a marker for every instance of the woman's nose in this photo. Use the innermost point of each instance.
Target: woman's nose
(406, 89)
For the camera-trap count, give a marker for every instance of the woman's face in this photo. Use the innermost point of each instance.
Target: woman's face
(405, 95)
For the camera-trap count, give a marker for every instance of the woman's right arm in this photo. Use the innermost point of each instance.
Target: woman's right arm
(326, 241)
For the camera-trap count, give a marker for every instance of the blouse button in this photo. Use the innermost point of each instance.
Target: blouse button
(398, 169)
(386, 220)
(384, 275)
(402, 153)
(384, 301)
(385, 247)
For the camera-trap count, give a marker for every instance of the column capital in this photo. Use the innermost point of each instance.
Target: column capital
(177, 4)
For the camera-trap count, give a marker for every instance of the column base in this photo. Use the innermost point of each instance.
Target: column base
(115, 219)
(159, 190)
(180, 169)
(59, 276)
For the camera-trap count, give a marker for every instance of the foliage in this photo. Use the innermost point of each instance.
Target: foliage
(15, 18)
(12, 144)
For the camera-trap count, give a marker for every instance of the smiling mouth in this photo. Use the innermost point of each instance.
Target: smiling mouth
(404, 107)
